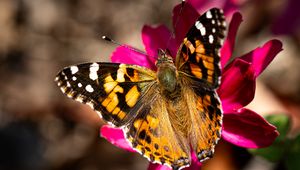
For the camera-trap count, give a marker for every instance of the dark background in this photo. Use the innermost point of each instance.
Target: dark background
(41, 129)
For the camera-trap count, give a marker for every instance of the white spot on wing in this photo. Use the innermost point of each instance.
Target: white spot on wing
(208, 14)
(89, 88)
(120, 75)
(79, 85)
(74, 78)
(74, 69)
(213, 30)
(224, 24)
(93, 71)
(200, 27)
(221, 41)
(211, 39)
(68, 84)
(213, 21)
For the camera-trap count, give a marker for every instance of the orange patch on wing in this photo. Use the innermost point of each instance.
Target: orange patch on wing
(111, 101)
(109, 86)
(117, 111)
(121, 115)
(189, 45)
(135, 77)
(199, 47)
(132, 96)
(210, 72)
(206, 100)
(196, 71)
(208, 65)
(210, 79)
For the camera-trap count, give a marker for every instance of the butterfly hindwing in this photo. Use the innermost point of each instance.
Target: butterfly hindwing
(199, 54)
(206, 119)
(152, 134)
(112, 89)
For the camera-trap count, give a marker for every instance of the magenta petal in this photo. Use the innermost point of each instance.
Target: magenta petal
(187, 17)
(246, 128)
(158, 37)
(196, 165)
(262, 56)
(128, 56)
(237, 85)
(116, 137)
(228, 46)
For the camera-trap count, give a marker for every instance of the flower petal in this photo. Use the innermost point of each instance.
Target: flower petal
(246, 128)
(183, 19)
(237, 85)
(228, 46)
(116, 137)
(128, 56)
(262, 56)
(158, 37)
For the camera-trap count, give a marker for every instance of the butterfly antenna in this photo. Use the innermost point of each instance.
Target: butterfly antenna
(125, 46)
(176, 23)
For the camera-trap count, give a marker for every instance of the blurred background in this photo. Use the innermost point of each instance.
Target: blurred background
(41, 129)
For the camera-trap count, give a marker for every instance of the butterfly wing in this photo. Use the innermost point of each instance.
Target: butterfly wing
(199, 54)
(113, 90)
(153, 135)
(206, 121)
(198, 64)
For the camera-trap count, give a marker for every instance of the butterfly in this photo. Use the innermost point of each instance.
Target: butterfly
(165, 114)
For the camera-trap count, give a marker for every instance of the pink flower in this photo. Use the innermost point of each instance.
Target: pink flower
(241, 126)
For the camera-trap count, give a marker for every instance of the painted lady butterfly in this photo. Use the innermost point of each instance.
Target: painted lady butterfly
(167, 113)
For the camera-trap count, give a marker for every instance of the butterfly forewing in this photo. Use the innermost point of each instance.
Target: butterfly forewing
(111, 89)
(199, 54)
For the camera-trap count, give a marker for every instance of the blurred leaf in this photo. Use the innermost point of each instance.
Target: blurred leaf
(282, 123)
(277, 150)
(292, 160)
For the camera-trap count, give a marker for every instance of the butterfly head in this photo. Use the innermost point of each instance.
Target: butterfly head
(164, 57)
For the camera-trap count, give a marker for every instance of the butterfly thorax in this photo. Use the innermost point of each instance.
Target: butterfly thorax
(166, 74)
